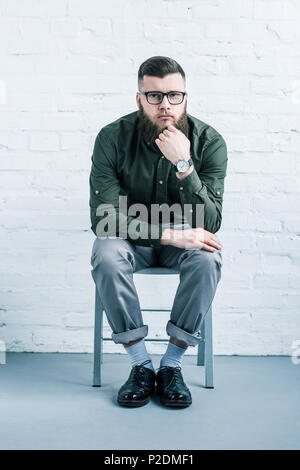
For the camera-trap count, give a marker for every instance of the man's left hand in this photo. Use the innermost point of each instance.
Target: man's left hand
(173, 144)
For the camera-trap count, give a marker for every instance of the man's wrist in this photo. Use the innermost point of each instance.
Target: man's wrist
(181, 176)
(186, 158)
(167, 236)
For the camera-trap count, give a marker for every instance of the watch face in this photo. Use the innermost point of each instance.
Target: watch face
(183, 166)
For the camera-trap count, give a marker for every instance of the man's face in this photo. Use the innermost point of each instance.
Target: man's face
(155, 118)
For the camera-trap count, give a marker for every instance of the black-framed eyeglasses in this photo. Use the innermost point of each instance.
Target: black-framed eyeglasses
(156, 97)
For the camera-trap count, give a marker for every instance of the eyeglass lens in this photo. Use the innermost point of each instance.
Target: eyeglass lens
(157, 97)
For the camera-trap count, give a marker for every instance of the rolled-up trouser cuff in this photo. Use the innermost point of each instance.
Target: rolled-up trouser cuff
(130, 335)
(190, 339)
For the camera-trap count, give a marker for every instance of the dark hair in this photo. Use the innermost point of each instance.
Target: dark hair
(158, 66)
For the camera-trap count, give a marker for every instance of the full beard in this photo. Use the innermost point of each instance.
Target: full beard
(151, 131)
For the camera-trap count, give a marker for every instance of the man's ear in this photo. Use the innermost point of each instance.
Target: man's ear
(138, 100)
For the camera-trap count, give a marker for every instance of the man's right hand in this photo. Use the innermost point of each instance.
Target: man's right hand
(191, 238)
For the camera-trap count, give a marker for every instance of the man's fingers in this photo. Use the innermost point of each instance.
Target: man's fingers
(209, 242)
(217, 244)
(198, 238)
(212, 236)
(216, 240)
(162, 137)
(208, 248)
(203, 246)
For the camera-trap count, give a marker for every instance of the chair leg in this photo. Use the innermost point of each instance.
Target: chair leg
(201, 348)
(97, 340)
(101, 332)
(209, 357)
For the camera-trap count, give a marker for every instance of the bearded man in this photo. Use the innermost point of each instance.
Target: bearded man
(158, 156)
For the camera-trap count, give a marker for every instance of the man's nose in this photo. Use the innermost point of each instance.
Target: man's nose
(165, 103)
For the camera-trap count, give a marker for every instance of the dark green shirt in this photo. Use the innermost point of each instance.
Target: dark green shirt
(124, 164)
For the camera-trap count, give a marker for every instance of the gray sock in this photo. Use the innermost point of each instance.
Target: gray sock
(138, 354)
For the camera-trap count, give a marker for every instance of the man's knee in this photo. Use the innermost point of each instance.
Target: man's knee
(203, 259)
(110, 252)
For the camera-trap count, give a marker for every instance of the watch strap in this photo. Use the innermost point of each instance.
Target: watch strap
(190, 162)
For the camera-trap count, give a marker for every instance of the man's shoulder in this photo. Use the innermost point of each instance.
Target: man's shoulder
(203, 130)
(122, 124)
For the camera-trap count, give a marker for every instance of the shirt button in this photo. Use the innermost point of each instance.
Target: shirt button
(181, 188)
(96, 192)
(160, 181)
(218, 192)
(162, 157)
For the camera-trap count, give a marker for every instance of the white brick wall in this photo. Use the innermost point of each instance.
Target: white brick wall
(69, 67)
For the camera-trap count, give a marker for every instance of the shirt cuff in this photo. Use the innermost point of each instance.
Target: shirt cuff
(190, 184)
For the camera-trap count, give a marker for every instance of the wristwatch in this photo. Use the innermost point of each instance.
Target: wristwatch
(183, 165)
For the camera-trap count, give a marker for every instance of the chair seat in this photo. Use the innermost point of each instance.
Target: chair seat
(157, 270)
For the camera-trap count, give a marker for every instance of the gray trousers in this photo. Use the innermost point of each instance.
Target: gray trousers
(114, 260)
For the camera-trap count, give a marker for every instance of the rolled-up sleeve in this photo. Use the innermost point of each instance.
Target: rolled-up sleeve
(206, 187)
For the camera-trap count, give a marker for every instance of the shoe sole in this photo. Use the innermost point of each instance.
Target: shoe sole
(175, 404)
(132, 403)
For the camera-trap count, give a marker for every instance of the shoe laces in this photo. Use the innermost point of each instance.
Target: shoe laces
(174, 373)
(138, 371)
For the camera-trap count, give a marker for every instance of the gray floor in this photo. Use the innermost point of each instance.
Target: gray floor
(47, 402)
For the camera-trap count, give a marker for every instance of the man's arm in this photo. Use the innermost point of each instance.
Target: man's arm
(105, 190)
(208, 188)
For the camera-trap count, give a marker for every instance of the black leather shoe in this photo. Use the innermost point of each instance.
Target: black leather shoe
(171, 387)
(139, 386)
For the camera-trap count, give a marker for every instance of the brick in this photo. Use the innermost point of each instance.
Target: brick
(275, 204)
(291, 223)
(74, 141)
(269, 10)
(91, 8)
(28, 102)
(294, 281)
(44, 141)
(222, 103)
(14, 202)
(228, 49)
(65, 27)
(270, 281)
(12, 140)
(287, 31)
(160, 30)
(22, 160)
(221, 10)
(35, 8)
(219, 30)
